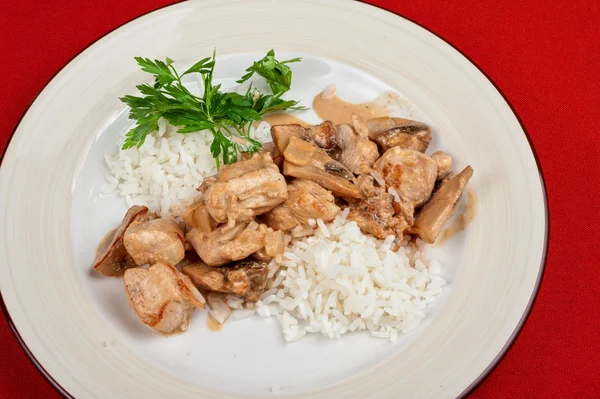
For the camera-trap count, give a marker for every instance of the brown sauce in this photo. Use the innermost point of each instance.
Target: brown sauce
(467, 215)
(284, 119)
(213, 325)
(329, 107)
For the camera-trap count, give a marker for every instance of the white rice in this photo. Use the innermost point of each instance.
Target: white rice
(339, 280)
(165, 171)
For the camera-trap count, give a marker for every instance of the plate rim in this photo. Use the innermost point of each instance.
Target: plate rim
(543, 261)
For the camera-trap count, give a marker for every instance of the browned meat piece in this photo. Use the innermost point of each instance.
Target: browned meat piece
(198, 217)
(358, 153)
(243, 190)
(246, 278)
(155, 241)
(375, 214)
(306, 200)
(112, 258)
(436, 212)
(443, 162)
(226, 244)
(404, 133)
(410, 173)
(305, 160)
(322, 135)
(163, 298)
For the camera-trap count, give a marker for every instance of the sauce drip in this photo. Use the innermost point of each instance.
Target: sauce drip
(213, 325)
(284, 119)
(329, 107)
(469, 211)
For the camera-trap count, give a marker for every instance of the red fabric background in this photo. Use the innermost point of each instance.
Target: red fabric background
(545, 57)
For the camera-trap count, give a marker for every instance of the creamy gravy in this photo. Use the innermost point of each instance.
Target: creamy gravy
(329, 107)
(284, 119)
(213, 325)
(469, 211)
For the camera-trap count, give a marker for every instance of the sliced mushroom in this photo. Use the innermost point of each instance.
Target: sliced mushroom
(435, 213)
(112, 258)
(444, 163)
(226, 244)
(163, 298)
(197, 216)
(358, 153)
(304, 160)
(306, 200)
(411, 173)
(246, 278)
(322, 135)
(243, 190)
(155, 241)
(398, 132)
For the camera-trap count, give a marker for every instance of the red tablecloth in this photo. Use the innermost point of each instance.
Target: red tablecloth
(545, 56)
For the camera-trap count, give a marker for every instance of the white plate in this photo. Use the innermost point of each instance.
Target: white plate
(78, 326)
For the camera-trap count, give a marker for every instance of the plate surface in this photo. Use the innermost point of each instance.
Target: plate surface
(79, 327)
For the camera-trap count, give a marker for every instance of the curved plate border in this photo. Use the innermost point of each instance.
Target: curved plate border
(525, 315)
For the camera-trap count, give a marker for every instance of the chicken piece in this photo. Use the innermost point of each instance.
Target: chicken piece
(305, 160)
(306, 200)
(243, 190)
(443, 162)
(112, 258)
(436, 212)
(163, 298)
(322, 135)
(155, 241)
(397, 132)
(410, 173)
(226, 244)
(197, 217)
(375, 213)
(358, 152)
(246, 278)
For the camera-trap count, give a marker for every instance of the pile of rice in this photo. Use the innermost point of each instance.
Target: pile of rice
(337, 280)
(332, 278)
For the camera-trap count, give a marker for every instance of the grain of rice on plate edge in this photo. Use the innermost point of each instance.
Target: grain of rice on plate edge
(332, 278)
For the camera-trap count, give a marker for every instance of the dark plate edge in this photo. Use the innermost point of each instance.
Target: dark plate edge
(536, 289)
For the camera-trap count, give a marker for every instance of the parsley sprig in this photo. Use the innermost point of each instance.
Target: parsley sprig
(228, 115)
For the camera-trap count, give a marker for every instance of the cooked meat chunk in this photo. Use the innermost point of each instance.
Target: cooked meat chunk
(443, 162)
(306, 200)
(436, 212)
(358, 153)
(305, 160)
(155, 241)
(112, 258)
(375, 213)
(198, 217)
(410, 173)
(163, 298)
(226, 244)
(322, 135)
(397, 132)
(243, 190)
(246, 278)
